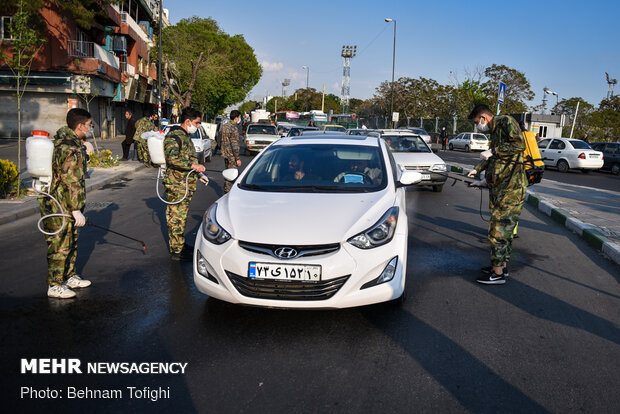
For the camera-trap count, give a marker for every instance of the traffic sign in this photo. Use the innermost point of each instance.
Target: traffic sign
(395, 116)
(502, 92)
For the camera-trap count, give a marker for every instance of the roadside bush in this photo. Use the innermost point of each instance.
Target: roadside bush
(8, 177)
(103, 159)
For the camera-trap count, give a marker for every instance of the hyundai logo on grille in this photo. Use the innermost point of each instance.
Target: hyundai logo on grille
(286, 252)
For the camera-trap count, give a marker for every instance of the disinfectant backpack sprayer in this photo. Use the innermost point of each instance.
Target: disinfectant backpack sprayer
(155, 143)
(532, 161)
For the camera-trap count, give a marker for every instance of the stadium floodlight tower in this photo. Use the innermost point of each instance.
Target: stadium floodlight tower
(348, 53)
(285, 83)
(611, 85)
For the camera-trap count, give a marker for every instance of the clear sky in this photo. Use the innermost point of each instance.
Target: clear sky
(564, 45)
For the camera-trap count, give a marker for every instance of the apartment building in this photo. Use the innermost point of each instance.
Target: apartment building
(105, 69)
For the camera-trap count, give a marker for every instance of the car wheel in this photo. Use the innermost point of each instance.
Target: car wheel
(437, 188)
(210, 156)
(562, 166)
(451, 147)
(615, 169)
(585, 170)
(399, 302)
(466, 148)
(201, 158)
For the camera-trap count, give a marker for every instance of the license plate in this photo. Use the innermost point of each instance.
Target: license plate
(593, 155)
(426, 176)
(275, 271)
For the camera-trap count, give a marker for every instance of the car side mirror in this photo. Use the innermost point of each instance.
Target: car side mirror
(409, 178)
(230, 174)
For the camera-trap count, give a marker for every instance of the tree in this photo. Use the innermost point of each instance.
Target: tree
(568, 107)
(211, 70)
(26, 40)
(518, 89)
(604, 123)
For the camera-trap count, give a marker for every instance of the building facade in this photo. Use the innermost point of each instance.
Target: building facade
(105, 69)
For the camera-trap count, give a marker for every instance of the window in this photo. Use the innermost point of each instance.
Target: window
(5, 27)
(543, 144)
(557, 145)
(542, 131)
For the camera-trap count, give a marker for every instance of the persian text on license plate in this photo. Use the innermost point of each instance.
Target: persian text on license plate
(284, 271)
(426, 176)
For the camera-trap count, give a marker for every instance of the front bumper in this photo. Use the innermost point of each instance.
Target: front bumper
(349, 268)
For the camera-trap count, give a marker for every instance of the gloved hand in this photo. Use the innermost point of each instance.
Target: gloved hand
(472, 173)
(485, 155)
(481, 183)
(80, 220)
(203, 178)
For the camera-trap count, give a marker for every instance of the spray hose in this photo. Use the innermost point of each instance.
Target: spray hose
(61, 214)
(160, 174)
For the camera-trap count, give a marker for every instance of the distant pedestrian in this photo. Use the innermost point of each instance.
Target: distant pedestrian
(130, 130)
(230, 144)
(443, 136)
(68, 187)
(143, 125)
(311, 124)
(585, 138)
(507, 182)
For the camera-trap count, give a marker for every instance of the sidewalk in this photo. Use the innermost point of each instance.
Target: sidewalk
(11, 210)
(591, 213)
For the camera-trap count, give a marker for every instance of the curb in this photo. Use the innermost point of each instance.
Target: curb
(592, 235)
(30, 208)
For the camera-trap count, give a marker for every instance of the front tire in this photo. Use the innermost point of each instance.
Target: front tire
(562, 166)
(467, 148)
(615, 169)
(201, 158)
(451, 147)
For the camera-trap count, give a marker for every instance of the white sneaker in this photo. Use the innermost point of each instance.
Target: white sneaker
(77, 282)
(60, 291)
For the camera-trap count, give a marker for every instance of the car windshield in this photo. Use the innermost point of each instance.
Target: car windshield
(580, 144)
(406, 143)
(334, 128)
(317, 168)
(262, 129)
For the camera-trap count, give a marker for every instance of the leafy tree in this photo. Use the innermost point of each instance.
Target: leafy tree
(246, 107)
(518, 88)
(604, 123)
(568, 107)
(206, 67)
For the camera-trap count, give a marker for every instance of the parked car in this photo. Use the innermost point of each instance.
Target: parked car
(201, 141)
(258, 136)
(312, 222)
(359, 131)
(412, 153)
(419, 131)
(566, 153)
(284, 128)
(468, 141)
(611, 155)
(333, 128)
(295, 131)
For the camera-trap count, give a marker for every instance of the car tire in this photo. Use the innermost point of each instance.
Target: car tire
(467, 149)
(399, 302)
(201, 158)
(438, 188)
(451, 147)
(615, 169)
(208, 159)
(562, 166)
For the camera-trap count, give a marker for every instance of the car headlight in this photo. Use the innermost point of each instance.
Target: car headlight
(211, 230)
(379, 234)
(438, 167)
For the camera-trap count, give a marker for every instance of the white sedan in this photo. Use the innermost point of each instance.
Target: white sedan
(469, 141)
(201, 141)
(566, 153)
(312, 222)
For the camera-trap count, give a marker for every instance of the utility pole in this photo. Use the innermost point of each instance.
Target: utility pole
(348, 53)
(159, 103)
(574, 120)
(323, 100)
(393, 65)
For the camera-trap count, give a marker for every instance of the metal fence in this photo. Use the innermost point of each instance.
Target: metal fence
(78, 48)
(430, 125)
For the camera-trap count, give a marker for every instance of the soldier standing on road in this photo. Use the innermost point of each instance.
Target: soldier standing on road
(443, 135)
(230, 144)
(130, 131)
(507, 182)
(143, 125)
(180, 161)
(69, 189)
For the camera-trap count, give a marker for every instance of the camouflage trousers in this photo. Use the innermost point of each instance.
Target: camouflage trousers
(176, 215)
(228, 184)
(61, 249)
(505, 209)
(143, 150)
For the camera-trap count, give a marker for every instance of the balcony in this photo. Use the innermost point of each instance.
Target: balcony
(92, 50)
(127, 68)
(129, 21)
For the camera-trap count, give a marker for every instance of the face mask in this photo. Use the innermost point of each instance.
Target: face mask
(89, 132)
(482, 127)
(192, 129)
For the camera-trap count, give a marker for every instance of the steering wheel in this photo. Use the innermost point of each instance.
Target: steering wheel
(366, 179)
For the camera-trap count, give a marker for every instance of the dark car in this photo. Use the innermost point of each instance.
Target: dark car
(296, 131)
(611, 155)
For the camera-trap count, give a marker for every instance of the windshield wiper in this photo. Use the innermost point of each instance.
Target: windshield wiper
(253, 187)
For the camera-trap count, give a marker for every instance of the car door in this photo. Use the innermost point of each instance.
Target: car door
(555, 151)
(457, 141)
(542, 147)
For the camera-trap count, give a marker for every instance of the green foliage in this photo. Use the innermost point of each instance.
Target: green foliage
(209, 68)
(518, 89)
(307, 99)
(8, 177)
(103, 159)
(604, 123)
(246, 107)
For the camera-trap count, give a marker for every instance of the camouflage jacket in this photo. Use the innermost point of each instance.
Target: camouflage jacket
(180, 154)
(143, 125)
(504, 170)
(68, 185)
(230, 143)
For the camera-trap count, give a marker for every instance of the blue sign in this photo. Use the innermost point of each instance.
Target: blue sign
(502, 92)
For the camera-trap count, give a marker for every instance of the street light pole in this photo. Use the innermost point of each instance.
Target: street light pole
(307, 75)
(393, 65)
(159, 103)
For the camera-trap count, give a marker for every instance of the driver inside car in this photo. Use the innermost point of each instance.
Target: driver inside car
(358, 169)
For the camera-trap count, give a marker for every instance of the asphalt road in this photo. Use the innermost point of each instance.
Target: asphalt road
(595, 179)
(546, 341)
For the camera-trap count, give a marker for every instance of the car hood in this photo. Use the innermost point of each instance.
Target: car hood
(416, 158)
(300, 218)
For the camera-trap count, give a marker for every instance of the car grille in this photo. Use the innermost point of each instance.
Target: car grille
(256, 142)
(302, 251)
(286, 289)
(418, 167)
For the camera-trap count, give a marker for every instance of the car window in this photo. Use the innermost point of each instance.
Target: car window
(406, 143)
(543, 144)
(597, 147)
(556, 144)
(613, 149)
(317, 168)
(578, 144)
(262, 129)
(480, 137)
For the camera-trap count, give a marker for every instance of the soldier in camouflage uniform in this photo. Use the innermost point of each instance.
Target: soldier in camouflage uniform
(143, 125)
(68, 187)
(230, 144)
(507, 182)
(180, 160)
